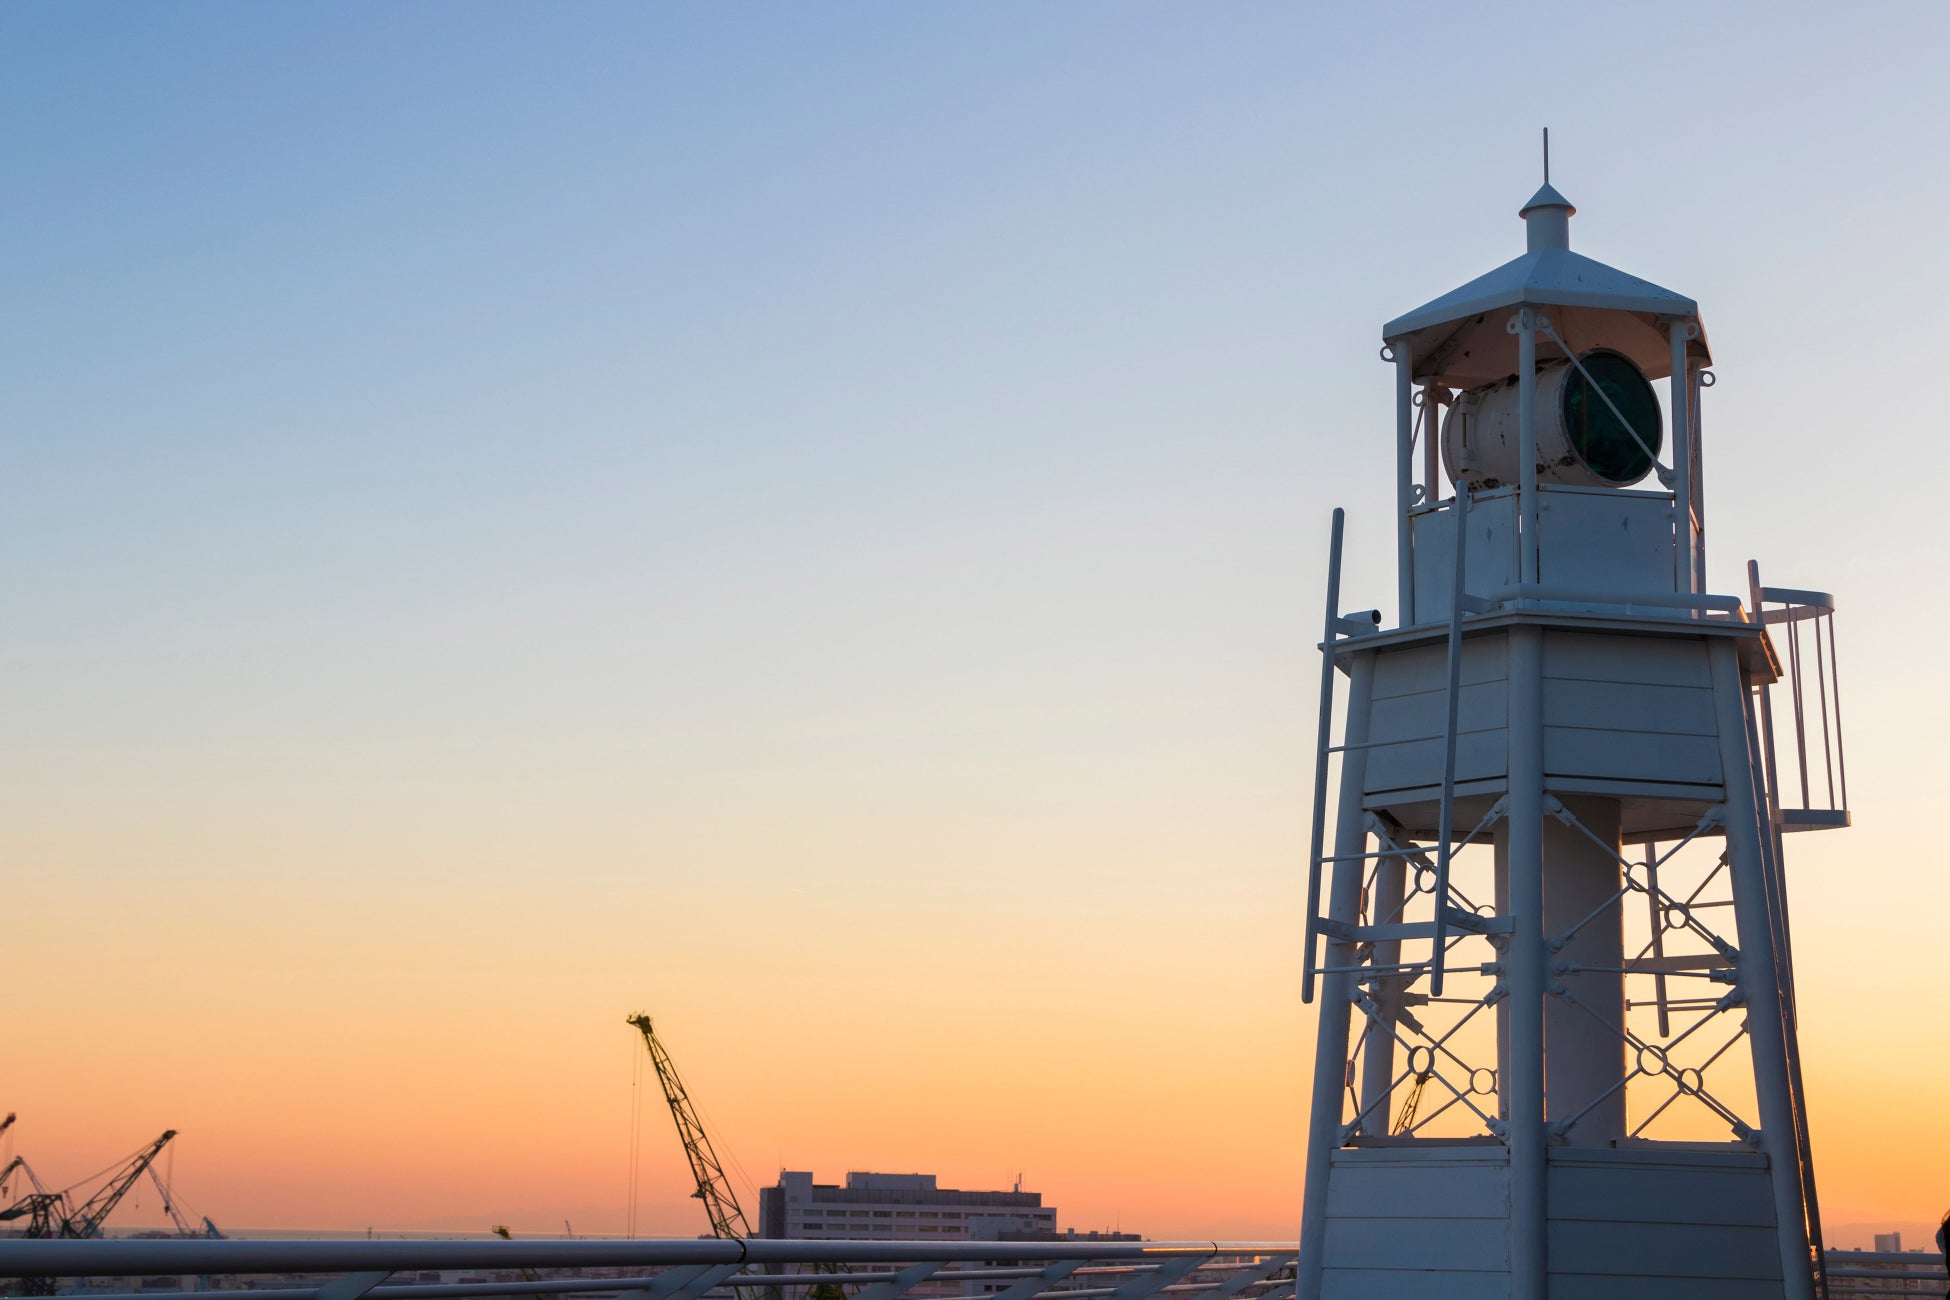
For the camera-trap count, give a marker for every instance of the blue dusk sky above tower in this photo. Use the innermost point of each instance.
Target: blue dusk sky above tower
(809, 520)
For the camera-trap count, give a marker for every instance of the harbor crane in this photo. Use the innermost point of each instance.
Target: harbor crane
(86, 1221)
(527, 1274)
(43, 1210)
(172, 1206)
(54, 1214)
(713, 1187)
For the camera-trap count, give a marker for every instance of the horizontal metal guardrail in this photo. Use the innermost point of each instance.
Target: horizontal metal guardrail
(1685, 601)
(675, 1268)
(1884, 1272)
(689, 1268)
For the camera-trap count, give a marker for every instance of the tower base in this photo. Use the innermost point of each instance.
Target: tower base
(1662, 1219)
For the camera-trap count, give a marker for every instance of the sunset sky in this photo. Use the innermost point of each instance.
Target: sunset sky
(810, 521)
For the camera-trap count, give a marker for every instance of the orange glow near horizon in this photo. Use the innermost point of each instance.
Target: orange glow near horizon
(424, 1056)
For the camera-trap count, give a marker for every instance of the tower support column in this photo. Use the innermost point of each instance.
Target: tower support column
(1336, 989)
(1378, 1043)
(1759, 975)
(1524, 962)
(1583, 1029)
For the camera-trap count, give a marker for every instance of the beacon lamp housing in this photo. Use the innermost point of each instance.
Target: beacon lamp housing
(1580, 440)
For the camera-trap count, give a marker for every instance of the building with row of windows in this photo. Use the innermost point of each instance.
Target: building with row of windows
(898, 1207)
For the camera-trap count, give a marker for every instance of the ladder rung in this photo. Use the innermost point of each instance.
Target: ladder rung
(1672, 965)
(1412, 929)
(1377, 933)
(1378, 853)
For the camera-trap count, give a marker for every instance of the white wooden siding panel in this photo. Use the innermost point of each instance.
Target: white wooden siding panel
(1445, 1191)
(1479, 707)
(1407, 766)
(1400, 1284)
(1653, 660)
(1426, 668)
(1664, 1249)
(1739, 1198)
(1629, 706)
(1581, 1286)
(1627, 756)
(1448, 1245)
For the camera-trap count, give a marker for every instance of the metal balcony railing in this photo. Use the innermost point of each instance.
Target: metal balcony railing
(1807, 770)
(676, 1269)
(1853, 1273)
(706, 1268)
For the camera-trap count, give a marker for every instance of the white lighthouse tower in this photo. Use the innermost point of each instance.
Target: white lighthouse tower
(1548, 936)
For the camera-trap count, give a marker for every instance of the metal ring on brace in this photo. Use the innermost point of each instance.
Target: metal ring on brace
(1656, 1055)
(1482, 1089)
(1427, 1058)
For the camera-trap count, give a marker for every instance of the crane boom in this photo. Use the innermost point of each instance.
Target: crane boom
(20, 1163)
(44, 1211)
(713, 1188)
(87, 1220)
(184, 1228)
(1405, 1122)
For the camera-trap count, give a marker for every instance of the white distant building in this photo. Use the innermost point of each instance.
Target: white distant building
(1889, 1241)
(896, 1207)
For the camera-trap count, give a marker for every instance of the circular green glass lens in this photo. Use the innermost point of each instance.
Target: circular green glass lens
(1600, 440)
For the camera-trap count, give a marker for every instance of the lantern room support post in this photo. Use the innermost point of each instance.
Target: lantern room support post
(1431, 450)
(1696, 380)
(1404, 480)
(1678, 333)
(1524, 326)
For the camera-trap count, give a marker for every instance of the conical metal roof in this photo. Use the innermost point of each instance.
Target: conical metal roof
(1460, 338)
(1546, 197)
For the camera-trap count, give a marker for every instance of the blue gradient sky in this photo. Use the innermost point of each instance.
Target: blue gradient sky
(811, 519)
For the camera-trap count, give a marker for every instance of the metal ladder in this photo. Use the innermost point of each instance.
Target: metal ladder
(1338, 626)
